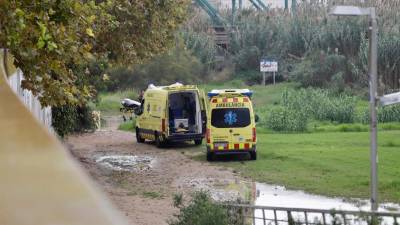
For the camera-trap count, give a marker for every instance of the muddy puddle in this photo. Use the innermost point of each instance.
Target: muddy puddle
(222, 190)
(129, 163)
(279, 196)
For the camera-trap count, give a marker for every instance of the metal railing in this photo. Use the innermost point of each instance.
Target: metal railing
(265, 215)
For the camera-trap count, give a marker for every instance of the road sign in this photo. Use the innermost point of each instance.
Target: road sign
(268, 66)
(390, 99)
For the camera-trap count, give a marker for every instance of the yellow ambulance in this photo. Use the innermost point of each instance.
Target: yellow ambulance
(231, 124)
(174, 113)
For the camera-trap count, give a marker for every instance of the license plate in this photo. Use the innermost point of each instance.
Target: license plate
(220, 145)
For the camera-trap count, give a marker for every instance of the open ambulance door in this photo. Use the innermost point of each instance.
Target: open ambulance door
(203, 108)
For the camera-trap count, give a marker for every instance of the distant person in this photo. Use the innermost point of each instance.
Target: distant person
(141, 94)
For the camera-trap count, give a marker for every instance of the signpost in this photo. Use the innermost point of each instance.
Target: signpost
(268, 66)
(390, 99)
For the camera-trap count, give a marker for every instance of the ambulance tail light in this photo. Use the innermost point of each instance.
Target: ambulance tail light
(208, 135)
(254, 134)
(163, 127)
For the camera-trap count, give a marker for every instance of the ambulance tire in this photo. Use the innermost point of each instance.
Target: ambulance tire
(253, 155)
(138, 138)
(158, 142)
(210, 156)
(198, 141)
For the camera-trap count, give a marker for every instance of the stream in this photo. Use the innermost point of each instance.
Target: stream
(279, 196)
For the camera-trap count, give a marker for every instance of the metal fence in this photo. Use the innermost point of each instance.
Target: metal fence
(264, 215)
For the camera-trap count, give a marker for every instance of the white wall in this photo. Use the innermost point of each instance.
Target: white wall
(43, 114)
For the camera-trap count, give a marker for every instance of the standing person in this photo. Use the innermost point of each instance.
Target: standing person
(141, 94)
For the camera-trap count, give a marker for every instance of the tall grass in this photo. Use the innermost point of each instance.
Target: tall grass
(298, 107)
(110, 102)
(385, 114)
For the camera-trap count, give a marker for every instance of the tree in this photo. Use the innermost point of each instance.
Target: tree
(51, 38)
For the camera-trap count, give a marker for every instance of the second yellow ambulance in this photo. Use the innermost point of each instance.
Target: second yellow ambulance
(231, 123)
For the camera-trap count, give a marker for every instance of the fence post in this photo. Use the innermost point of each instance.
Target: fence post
(344, 218)
(264, 222)
(323, 218)
(289, 218)
(275, 217)
(305, 217)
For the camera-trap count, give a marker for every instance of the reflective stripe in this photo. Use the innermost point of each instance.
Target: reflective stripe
(228, 100)
(235, 146)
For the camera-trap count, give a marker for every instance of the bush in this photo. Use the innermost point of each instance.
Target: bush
(201, 210)
(176, 65)
(69, 119)
(320, 70)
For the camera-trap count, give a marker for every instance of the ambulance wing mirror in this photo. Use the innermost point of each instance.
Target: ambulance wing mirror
(256, 118)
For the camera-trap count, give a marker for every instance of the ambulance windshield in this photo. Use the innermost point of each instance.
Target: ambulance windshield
(230, 117)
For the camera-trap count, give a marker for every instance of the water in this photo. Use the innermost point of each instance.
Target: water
(279, 196)
(128, 163)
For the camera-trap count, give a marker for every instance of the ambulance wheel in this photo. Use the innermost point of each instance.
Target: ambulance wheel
(210, 156)
(138, 138)
(253, 155)
(198, 141)
(159, 143)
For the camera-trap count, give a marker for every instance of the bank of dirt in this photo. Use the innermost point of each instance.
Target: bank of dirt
(144, 192)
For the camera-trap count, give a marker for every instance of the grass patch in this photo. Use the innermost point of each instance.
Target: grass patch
(351, 127)
(128, 126)
(333, 164)
(152, 194)
(263, 95)
(110, 103)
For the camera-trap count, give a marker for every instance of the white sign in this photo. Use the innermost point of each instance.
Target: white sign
(268, 66)
(390, 99)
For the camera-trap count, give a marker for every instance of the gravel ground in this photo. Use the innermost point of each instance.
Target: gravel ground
(141, 179)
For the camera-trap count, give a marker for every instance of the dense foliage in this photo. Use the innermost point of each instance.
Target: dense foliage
(68, 119)
(51, 38)
(175, 65)
(316, 49)
(297, 108)
(201, 210)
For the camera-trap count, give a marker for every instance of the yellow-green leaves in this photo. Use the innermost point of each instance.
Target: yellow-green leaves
(89, 32)
(51, 40)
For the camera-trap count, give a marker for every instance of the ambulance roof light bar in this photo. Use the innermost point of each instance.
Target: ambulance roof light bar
(245, 92)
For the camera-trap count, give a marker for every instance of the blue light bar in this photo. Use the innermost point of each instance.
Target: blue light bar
(248, 94)
(245, 92)
(211, 94)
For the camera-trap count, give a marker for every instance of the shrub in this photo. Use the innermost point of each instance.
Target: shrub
(385, 114)
(201, 210)
(69, 119)
(320, 70)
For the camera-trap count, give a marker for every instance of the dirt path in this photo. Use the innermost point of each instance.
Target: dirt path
(144, 191)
